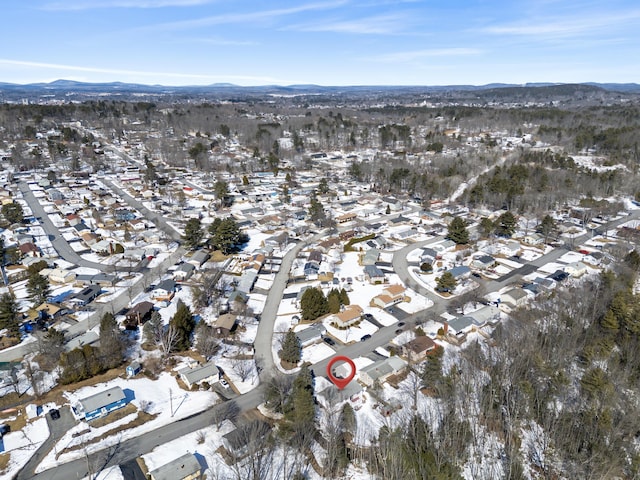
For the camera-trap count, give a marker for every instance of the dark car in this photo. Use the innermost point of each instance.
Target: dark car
(401, 324)
(329, 341)
(365, 337)
(476, 274)
(55, 414)
(399, 331)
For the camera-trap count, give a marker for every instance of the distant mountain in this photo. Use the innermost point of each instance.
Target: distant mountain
(492, 90)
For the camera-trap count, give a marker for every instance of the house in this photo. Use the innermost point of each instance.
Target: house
(487, 314)
(101, 404)
(164, 291)
(49, 310)
(483, 262)
(460, 326)
(311, 270)
(515, 297)
(247, 280)
(87, 338)
(310, 335)
(315, 256)
(371, 256)
(373, 274)
(428, 255)
(460, 272)
(576, 269)
(133, 368)
(29, 249)
(347, 217)
(87, 294)
(404, 233)
(390, 296)
(417, 349)
(60, 275)
(333, 395)
(350, 315)
(533, 239)
(378, 372)
(185, 467)
(202, 373)
(138, 314)
(104, 247)
(198, 259)
(225, 324)
(558, 276)
(248, 437)
(183, 272)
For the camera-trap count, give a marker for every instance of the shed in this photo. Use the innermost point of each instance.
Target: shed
(133, 368)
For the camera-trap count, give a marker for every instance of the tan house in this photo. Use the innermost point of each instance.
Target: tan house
(417, 349)
(390, 296)
(60, 275)
(225, 324)
(347, 217)
(350, 315)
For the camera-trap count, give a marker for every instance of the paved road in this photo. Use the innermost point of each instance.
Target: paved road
(263, 341)
(129, 449)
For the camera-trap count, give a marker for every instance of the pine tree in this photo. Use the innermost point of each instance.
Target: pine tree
(300, 410)
(547, 227)
(457, 231)
(193, 233)
(226, 235)
(446, 282)
(344, 297)
(291, 351)
(486, 226)
(111, 344)
(506, 224)
(9, 315)
(38, 289)
(313, 304)
(184, 324)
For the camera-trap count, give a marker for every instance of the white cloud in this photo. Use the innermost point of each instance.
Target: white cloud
(378, 25)
(246, 17)
(418, 54)
(568, 27)
(71, 5)
(140, 76)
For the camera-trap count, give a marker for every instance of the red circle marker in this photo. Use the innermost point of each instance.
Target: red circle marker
(341, 382)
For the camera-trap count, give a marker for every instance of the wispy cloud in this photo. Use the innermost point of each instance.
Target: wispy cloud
(410, 56)
(567, 27)
(72, 5)
(246, 17)
(374, 25)
(136, 73)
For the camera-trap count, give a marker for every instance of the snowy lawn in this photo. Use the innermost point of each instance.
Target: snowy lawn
(351, 334)
(317, 352)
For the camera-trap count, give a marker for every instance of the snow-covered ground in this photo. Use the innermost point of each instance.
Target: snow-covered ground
(21, 445)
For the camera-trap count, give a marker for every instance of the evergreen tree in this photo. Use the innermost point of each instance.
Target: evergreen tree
(547, 227)
(226, 235)
(333, 301)
(184, 324)
(506, 224)
(193, 233)
(633, 260)
(300, 411)
(486, 226)
(446, 282)
(9, 314)
(111, 344)
(344, 297)
(313, 304)
(388, 210)
(291, 351)
(316, 211)
(221, 191)
(38, 289)
(12, 212)
(457, 231)
(323, 186)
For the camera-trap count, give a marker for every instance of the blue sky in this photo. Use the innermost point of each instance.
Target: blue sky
(325, 42)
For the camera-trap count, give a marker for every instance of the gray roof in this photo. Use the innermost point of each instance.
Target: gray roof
(200, 256)
(384, 367)
(373, 271)
(310, 333)
(247, 279)
(86, 338)
(177, 469)
(460, 271)
(199, 373)
(167, 285)
(488, 313)
(516, 293)
(461, 323)
(102, 399)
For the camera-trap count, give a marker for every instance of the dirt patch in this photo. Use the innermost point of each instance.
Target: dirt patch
(114, 416)
(4, 461)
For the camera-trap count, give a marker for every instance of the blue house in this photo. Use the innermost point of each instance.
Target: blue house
(102, 403)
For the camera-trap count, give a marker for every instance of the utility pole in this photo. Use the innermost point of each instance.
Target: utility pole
(171, 402)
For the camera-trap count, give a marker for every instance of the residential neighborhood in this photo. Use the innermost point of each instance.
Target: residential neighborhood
(144, 294)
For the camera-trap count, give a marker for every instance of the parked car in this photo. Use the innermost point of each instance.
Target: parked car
(365, 337)
(55, 414)
(398, 331)
(401, 324)
(224, 383)
(329, 341)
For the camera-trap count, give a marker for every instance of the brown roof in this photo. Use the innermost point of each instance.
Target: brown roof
(395, 290)
(226, 321)
(350, 312)
(420, 344)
